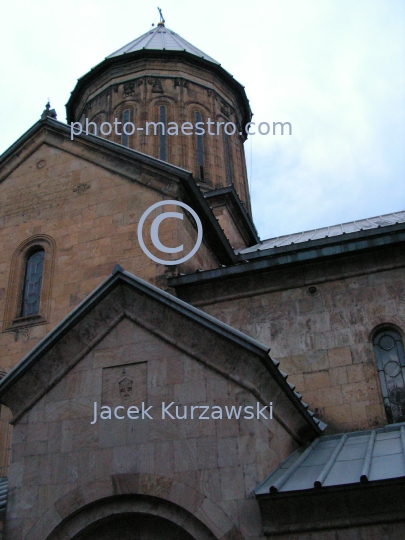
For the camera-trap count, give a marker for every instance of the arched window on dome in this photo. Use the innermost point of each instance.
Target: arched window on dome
(126, 117)
(228, 159)
(200, 147)
(162, 133)
(390, 358)
(31, 294)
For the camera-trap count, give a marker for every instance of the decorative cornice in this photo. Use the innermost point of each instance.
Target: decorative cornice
(144, 54)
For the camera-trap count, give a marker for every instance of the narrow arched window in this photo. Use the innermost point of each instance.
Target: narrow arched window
(200, 147)
(126, 117)
(390, 358)
(228, 160)
(34, 267)
(162, 133)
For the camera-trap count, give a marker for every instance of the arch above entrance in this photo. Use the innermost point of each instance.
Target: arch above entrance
(131, 517)
(133, 504)
(134, 527)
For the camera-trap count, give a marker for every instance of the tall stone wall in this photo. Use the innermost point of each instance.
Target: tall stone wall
(88, 217)
(324, 339)
(62, 465)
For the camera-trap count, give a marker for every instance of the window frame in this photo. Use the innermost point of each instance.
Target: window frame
(200, 149)
(395, 333)
(13, 309)
(162, 145)
(228, 159)
(124, 136)
(26, 282)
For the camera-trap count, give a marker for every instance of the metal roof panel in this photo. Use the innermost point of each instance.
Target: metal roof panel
(327, 232)
(344, 472)
(352, 451)
(301, 477)
(320, 457)
(383, 467)
(333, 460)
(162, 38)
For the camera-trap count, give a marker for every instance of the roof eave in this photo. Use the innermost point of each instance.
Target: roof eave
(292, 254)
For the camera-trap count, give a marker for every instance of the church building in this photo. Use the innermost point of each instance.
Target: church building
(166, 374)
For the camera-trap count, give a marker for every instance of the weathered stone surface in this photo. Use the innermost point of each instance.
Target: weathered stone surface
(323, 342)
(61, 451)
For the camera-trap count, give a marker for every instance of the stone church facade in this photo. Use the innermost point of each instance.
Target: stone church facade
(304, 333)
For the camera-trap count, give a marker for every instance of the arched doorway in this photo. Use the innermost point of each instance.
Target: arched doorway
(133, 527)
(131, 517)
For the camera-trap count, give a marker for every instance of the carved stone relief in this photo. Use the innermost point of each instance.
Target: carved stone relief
(181, 82)
(124, 385)
(129, 88)
(156, 84)
(225, 109)
(21, 334)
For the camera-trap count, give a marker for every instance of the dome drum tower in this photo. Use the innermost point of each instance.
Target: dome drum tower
(162, 78)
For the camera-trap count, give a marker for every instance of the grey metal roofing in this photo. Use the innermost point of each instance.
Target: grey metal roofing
(3, 495)
(162, 38)
(328, 232)
(334, 460)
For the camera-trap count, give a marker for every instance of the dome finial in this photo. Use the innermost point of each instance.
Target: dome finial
(162, 21)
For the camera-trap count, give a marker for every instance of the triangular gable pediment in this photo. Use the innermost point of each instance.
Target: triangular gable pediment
(113, 157)
(174, 325)
(170, 181)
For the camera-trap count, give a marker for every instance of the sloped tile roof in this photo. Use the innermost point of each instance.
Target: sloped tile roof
(334, 460)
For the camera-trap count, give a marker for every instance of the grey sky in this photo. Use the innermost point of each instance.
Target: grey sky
(333, 68)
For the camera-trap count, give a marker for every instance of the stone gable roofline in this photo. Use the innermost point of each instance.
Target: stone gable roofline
(27, 382)
(64, 129)
(135, 166)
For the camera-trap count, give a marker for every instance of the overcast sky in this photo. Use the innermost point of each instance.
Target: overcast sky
(334, 69)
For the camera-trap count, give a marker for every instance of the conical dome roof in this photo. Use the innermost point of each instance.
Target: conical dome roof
(158, 43)
(162, 38)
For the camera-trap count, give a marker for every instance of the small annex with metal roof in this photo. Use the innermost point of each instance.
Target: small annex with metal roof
(345, 474)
